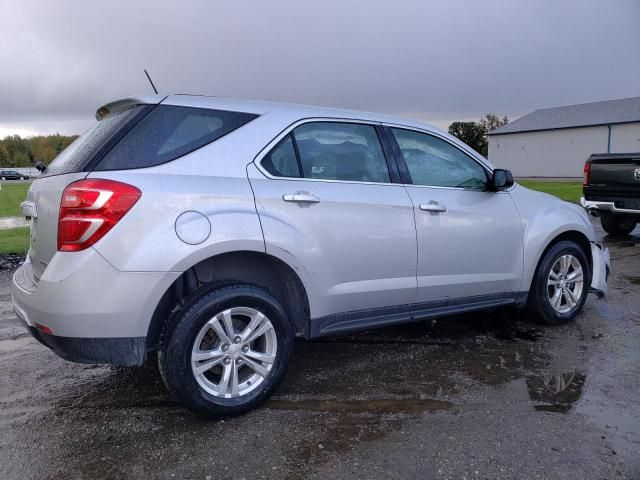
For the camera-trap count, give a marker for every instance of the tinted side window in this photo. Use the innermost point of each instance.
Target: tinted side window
(341, 151)
(435, 162)
(282, 161)
(169, 132)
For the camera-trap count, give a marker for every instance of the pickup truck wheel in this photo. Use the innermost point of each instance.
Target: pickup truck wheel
(618, 225)
(560, 285)
(227, 349)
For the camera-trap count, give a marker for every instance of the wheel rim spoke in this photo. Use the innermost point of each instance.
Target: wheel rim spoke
(208, 365)
(234, 379)
(259, 356)
(255, 322)
(256, 367)
(575, 276)
(223, 386)
(228, 324)
(214, 323)
(570, 297)
(557, 296)
(262, 329)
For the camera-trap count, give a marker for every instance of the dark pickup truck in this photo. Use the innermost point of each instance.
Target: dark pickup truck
(611, 190)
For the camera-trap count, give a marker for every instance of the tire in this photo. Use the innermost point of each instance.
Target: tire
(199, 392)
(3, 178)
(539, 304)
(21, 178)
(618, 225)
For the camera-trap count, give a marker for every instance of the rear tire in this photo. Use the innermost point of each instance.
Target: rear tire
(554, 298)
(618, 225)
(226, 349)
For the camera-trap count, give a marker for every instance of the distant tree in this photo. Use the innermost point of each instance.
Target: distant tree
(491, 121)
(4, 155)
(475, 134)
(23, 152)
(471, 133)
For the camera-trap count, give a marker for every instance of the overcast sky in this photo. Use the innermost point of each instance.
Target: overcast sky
(436, 61)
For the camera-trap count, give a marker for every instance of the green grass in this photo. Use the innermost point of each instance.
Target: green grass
(569, 191)
(11, 195)
(14, 240)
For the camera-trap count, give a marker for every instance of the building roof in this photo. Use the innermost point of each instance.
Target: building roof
(609, 112)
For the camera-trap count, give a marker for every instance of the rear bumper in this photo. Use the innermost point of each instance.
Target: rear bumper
(127, 352)
(604, 206)
(95, 313)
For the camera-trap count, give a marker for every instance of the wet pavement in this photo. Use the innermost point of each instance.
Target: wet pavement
(485, 395)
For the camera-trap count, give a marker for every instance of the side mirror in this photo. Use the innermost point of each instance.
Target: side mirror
(501, 179)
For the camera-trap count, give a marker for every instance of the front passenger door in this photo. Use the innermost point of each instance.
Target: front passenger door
(469, 239)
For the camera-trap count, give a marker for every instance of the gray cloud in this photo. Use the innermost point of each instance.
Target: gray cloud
(435, 61)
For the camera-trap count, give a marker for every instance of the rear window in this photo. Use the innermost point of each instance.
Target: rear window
(76, 156)
(169, 132)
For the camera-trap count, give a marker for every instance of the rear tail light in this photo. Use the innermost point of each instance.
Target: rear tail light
(89, 209)
(587, 174)
(44, 329)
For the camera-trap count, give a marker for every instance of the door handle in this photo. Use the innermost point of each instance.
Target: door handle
(433, 207)
(301, 197)
(28, 209)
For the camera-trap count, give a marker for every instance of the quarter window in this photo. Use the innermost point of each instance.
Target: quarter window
(282, 161)
(435, 162)
(169, 132)
(330, 151)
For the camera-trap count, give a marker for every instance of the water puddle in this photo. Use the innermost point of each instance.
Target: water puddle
(558, 392)
(362, 406)
(13, 222)
(634, 280)
(14, 344)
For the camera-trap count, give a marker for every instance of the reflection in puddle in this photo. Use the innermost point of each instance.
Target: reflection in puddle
(362, 406)
(558, 391)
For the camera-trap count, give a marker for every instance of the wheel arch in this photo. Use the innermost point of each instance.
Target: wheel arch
(576, 236)
(255, 268)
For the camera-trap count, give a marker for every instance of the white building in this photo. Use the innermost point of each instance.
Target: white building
(555, 142)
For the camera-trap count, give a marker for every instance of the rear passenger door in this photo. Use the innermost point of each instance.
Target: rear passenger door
(331, 204)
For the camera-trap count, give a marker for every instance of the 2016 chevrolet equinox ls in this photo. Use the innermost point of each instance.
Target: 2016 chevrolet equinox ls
(215, 231)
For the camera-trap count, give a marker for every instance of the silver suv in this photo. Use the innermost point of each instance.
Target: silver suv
(215, 231)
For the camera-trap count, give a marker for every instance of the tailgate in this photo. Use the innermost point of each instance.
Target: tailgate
(615, 175)
(43, 200)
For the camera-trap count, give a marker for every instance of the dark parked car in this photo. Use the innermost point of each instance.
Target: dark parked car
(12, 175)
(612, 190)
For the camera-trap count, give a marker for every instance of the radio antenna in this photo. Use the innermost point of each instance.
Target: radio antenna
(150, 81)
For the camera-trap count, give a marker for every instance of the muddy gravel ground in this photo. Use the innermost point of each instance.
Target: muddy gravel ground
(487, 395)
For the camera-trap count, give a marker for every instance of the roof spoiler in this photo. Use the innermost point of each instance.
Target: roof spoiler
(116, 105)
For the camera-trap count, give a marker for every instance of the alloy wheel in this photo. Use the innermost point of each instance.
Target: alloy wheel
(234, 352)
(565, 283)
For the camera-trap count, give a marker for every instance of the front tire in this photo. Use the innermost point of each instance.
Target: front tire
(226, 350)
(618, 225)
(560, 284)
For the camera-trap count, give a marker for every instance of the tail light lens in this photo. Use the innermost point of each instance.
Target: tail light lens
(89, 209)
(587, 174)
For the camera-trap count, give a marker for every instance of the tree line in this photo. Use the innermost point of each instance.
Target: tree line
(16, 151)
(475, 134)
